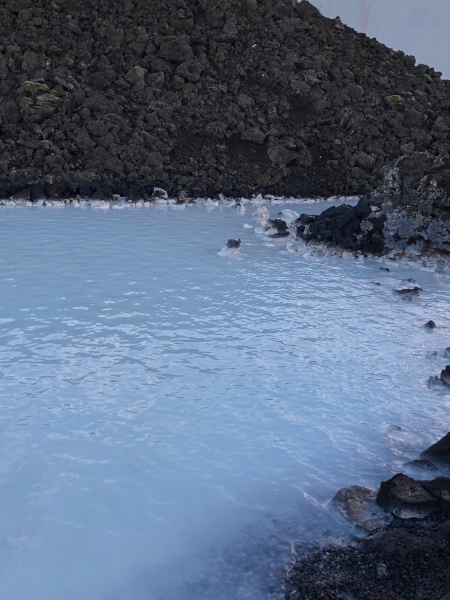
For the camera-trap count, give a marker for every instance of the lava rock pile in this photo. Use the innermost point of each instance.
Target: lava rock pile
(236, 96)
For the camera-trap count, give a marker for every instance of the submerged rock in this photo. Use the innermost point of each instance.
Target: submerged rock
(422, 465)
(357, 504)
(409, 293)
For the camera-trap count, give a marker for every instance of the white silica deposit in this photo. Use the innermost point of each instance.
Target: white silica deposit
(175, 422)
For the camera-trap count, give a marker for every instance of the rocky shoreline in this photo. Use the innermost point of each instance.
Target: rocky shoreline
(405, 551)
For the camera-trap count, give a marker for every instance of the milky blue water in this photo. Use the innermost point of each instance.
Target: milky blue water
(174, 422)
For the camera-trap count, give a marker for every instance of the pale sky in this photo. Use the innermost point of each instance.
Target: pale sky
(418, 27)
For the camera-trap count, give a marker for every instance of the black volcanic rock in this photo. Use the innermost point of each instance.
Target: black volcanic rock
(245, 95)
(440, 450)
(405, 497)
(408, 214)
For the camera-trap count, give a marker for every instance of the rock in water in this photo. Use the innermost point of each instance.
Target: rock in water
(405, 498)
(278, 224)
(409, 293)
(357, 504)
(406, 215)
(261, 212)
(233, 244)
(440, 450)
(250, 96)
(430, 325)
(445, 376)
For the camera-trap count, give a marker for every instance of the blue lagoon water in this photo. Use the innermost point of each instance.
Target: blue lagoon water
(174, 422)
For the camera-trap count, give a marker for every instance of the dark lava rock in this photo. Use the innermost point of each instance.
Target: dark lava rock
(384, 269)
(254, 95)
(409, 293)
(233, 243)
(341, 226)
(405, 498)
(278, 224)
(357, 504)
(441, 449)
(430, 325)
(409, 211)
(422, 465)
(439, 488)
(445, 376)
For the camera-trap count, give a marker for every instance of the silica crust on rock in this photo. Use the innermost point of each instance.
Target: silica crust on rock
(408, 214)
(237, 97)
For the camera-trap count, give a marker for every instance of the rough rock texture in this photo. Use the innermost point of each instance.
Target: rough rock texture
(440, 450)
(235, 96)
(406, 498)
(409, 213)
(357, 504)
(410, 563)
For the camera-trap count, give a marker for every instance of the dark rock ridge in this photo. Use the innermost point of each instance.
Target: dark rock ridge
(440, 450)
(205, 96)
(408, 214)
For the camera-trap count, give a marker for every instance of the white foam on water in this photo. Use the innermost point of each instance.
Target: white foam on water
(174, 423)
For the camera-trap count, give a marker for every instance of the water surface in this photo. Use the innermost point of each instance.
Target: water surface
(174, 422)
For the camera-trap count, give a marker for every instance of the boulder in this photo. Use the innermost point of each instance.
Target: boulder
(357, 504)
(278, 224)
(405, 498)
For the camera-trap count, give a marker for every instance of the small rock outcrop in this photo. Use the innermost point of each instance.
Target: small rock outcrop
(357, 504)
(233, 244)
(405, 498)
(408, 214)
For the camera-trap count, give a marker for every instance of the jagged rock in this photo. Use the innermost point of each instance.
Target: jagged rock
(440, 450)
(405, 498)
(409, 212)
(232, 244)
(445, 376)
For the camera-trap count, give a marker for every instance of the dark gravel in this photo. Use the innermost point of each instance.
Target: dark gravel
(410, 562)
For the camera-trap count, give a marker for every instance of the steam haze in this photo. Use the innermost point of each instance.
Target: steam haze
(418, 27)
